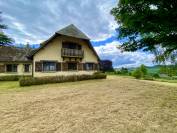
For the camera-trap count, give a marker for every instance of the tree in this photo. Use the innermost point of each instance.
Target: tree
(27, 48)
(170, 70)
(140, 72)
(143, 69)
(106, 65)
(124, 70)
(149, 25)
(4, 39)
(137, 73)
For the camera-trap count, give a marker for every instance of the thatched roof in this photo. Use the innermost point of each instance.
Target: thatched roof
(72, 31)
(11, 53)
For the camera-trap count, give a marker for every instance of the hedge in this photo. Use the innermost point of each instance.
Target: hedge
(59, 79)
(148, 77)
(12, 77)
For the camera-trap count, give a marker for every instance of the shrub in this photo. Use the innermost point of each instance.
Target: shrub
(26, 81)
(137, 73)
(156, 75)
(174, 77)
(130, 73)
(117, 72)
(11, 77)
(148, 77)
(98, 76)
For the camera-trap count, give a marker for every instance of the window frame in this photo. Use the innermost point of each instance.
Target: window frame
(75, 66)
(87, 68)
(49, 69)
(71, 45)
(12, 68)
(28, 68)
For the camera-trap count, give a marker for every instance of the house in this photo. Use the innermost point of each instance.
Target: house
(69, 51)
(14, 61)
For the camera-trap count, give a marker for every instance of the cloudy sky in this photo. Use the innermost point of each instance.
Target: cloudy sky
(34, 21)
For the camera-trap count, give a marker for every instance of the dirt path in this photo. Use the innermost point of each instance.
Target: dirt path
(119, 105)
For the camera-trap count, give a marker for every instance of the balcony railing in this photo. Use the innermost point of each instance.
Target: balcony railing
(72, 53)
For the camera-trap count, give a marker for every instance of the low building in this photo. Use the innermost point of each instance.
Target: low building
(69, 51)
(14, 61)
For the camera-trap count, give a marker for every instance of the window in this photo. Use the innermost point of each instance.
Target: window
(89, 66)
(26, 67)
(49, 66)
(72, 66)
(11, 68)
(71, 45)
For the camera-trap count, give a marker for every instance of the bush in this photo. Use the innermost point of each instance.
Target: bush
(174, 77)
(11, 77)
(148, 77)
(137, 73)
(99, 75)
(156, 75)
(117, 72)
(26, 81)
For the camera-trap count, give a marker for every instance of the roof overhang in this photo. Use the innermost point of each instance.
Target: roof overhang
(42, 45)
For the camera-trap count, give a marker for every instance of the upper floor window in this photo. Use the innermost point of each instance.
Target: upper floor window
(11, 68)
(71, 45)
(49, 66)
(26, 67)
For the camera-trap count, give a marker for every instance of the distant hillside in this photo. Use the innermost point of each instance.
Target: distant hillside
(154, 69)
(151, 69)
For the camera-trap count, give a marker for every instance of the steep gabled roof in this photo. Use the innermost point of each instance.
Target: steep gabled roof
(72, 31)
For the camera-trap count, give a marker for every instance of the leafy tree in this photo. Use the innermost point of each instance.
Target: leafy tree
(4, 39)
(170, 70)
(150, 25)
(137, 73)
(143, 69)
(106, 65)
(124, 70)
(140, 72)
(27, 48)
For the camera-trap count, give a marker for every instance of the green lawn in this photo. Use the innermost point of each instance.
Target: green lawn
(8, 85)
(166, 80)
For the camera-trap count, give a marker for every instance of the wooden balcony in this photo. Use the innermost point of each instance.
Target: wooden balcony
(65, 52)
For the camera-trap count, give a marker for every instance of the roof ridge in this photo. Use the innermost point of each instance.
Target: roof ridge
(73, 31)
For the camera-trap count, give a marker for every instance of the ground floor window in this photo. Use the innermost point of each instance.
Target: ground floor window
(11, 68)
(49, 66)
(89, 66)
(72, 66)
(26, 67)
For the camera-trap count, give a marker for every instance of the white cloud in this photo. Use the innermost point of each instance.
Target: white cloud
(35, 21)
(125, 59)
(38, 20)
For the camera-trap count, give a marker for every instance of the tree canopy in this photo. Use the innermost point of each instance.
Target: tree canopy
(4, 39)
(106, 65)
(149, 25)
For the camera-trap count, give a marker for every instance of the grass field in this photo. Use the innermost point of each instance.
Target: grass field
(114, 105)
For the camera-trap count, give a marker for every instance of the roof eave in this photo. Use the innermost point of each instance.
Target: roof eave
(44, 44)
